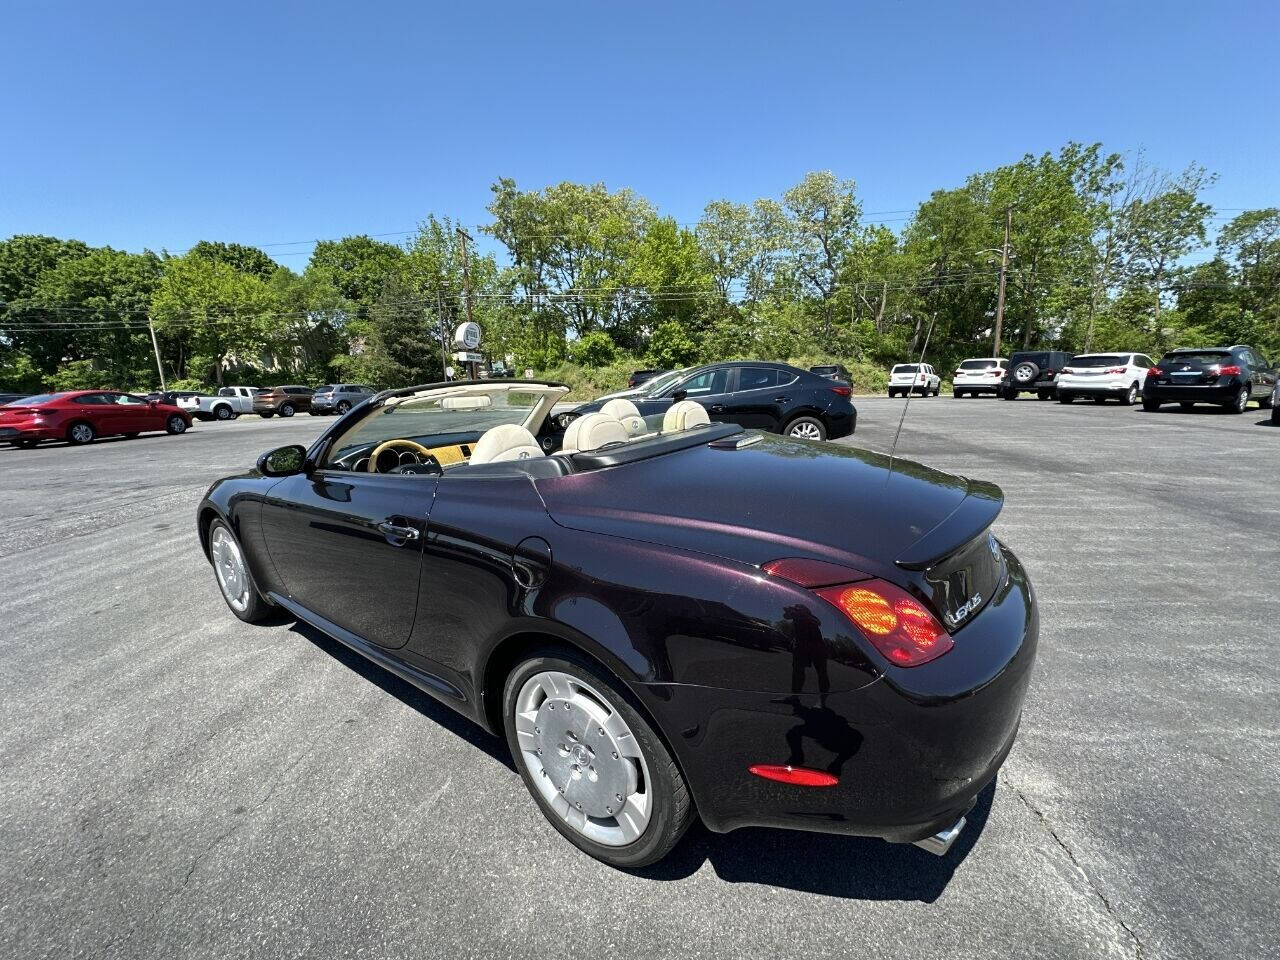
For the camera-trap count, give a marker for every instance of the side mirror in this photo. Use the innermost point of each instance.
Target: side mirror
(679, 395)
(153, 403)
(283, 461)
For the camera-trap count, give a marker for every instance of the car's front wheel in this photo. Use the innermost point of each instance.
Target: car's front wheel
(175, 425)
(596, 768)
(233, 576)
(806, 428)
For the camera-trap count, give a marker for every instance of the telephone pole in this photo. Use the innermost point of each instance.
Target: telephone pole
(1004, 272)
(444, 336)
(155, 345)
(466, 271)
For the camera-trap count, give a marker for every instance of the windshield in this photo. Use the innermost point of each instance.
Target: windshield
(660, 383)
(426, 419)
(979, 364)
(1100, 360)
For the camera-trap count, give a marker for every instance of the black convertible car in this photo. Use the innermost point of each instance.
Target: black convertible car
(666, 619)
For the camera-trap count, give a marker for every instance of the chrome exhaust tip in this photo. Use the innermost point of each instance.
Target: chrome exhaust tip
(941, 842)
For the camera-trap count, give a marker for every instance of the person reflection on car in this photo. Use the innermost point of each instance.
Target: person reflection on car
(822, 726)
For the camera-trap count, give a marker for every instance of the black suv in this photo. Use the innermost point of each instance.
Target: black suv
(1227, 376)
(768, 396)
(1033, 370)
(639, 377)
(832, 371)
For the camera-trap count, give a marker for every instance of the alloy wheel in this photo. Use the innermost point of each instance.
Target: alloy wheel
(343, 407)
(223, 413)
(177, 425)
(81, 433)
(805, 430)
(583, 759)
(1242, 400)
(228, 566)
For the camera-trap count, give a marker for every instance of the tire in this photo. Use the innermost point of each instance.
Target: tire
(806, 428)
(344, 408)
(1241, 401)
(222, 412)
(313, 413)
(1275, 418)
(25, 444)
(893, 393)
(654, 788)
(1046, 394)
(1100, 398)
(937, 391)
(1265, 403)
(175, 425)
(1130, 396)
(1025, 373)
(266, 416)
(81, 433)
(131, 436)
(957, 394)
(1187, 406)
(232, 575)
(1151, 406)
(287, 410)
(1066, 397)
(1009, 394)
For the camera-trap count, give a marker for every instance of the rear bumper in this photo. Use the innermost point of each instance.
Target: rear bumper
(1192, 393)
(1039, 386)
(10, 434)
(977, 386)
(909, 763)
(1095, 384)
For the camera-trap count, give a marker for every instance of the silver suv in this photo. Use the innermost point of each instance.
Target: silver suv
(339, 397)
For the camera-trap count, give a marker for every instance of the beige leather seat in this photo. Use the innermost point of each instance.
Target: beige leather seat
(683, 415)
(627, 414)
(592, 432)
(507, 441)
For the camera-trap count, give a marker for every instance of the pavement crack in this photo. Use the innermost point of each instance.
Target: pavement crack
(1139, 949)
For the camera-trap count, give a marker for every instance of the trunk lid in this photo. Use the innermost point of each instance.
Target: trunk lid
(1193, 369)
(785, 498)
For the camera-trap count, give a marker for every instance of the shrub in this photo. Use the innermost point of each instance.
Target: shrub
(595, 349)
(671, 346)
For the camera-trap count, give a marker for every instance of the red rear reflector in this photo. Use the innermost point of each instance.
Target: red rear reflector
(812, 573)
(1155, 372)
(797, 776)
(842, 391)
(896, 623)
(1230, 370)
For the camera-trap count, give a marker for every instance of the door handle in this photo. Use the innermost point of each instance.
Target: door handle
(393, 531)
(781, 399)
(716, 408)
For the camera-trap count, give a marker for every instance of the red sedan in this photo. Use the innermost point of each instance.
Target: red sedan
(81, 416)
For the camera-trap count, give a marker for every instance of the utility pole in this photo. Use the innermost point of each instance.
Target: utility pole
(466, 271)
(444, 336)
(155, 345)
(1004, 272)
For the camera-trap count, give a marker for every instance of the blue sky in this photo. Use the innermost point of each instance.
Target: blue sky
(157, 125)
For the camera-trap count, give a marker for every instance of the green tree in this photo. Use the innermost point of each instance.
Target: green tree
(240, 258)
(596, 349)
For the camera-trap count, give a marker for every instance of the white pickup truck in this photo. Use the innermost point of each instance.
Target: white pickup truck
(227, 404)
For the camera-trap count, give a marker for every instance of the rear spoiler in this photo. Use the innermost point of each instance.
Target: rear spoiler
(977, 511)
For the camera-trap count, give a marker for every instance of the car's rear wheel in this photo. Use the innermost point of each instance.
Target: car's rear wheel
(1187, 406)
(222, 412)
(806, 428)
(1130, 396)
(1066, 397)
(1100, 398)
(25, 444)
(287, 410)
(958, 394)
(78, 434)
(232, 573)
(1240, 401)
(175, 425)
(1275, 416)
(266, 416)
(1151, 406)
(596, 768)
(893, 393)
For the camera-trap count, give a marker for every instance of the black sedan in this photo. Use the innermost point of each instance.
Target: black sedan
(700, 621)
(1228, 377)
(767, 396)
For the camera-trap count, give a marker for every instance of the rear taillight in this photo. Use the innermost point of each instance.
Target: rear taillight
(798, 776)
(1155, 372)
(842, 391)
(896, 623)
(1111, 370)
(1230, 370)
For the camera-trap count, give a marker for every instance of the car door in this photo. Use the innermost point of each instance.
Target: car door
(136, 415)
(348, 547)
(757, 400)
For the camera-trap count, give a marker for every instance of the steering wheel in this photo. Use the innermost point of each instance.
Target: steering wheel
(428, 459)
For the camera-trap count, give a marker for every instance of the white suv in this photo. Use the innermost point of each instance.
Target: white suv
(1102, 375)
(918, 377)
(979, 375)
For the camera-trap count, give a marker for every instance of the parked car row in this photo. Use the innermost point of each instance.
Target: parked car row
(1228, 377)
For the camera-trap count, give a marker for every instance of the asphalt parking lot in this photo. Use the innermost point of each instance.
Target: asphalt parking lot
(176, 783)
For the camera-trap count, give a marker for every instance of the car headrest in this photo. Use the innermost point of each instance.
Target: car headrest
(477, 402)
(683, 415)
(626, 413)
(591, 432)
(506, 441)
